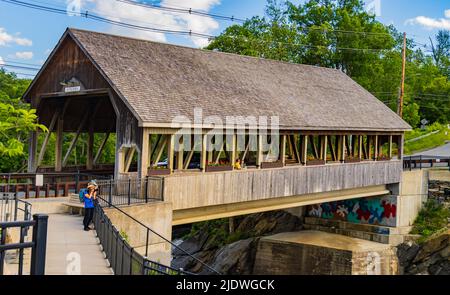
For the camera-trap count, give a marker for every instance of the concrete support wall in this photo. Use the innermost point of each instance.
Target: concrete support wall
(157, 216)
(413, 193)
(319, 253)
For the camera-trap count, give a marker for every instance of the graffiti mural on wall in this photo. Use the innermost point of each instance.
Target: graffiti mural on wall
(379, 211)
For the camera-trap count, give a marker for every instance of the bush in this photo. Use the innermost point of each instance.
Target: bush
(431, 219)
(218, 232)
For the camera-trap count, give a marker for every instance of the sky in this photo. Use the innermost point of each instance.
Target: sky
(27, 36)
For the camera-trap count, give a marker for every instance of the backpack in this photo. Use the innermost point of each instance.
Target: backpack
(82, 193)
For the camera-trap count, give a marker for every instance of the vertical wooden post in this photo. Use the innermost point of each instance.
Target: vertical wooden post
(145, 154)
(390, 147)
(369, 147)
(204, 152)
(59, 144)
(343, 147)
(360, 147)
(305, 149)
(180, 154)
(210, 150)
(375, 157)
(324, 143)
(120, 160)
(170, 152)
(233, 149)
(259, 152)
(32, 151)
(320, 146)
(90, 149)
(400, 141)
(339, 141)
(283, 149)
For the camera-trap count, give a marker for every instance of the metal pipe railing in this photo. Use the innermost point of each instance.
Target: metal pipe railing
(38, 244)
(149, 230)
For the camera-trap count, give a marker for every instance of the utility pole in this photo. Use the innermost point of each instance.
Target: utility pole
(402, 86)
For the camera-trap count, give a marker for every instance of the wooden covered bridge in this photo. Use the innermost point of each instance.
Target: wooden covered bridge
(335, 141)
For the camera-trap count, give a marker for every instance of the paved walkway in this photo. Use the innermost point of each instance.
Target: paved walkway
(71, 250)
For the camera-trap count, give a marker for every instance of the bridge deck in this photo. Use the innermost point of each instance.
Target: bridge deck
(66, 241)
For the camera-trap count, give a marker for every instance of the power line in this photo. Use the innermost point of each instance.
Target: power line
(433, 98)
(23, 74)
(64, 8)
(92, 16)
(12, 61)
(19, 67)
(435, 95)
(183, 10)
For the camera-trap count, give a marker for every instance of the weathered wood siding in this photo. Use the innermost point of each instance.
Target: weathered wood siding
(198, 190)
(128, 131)
(68, 62)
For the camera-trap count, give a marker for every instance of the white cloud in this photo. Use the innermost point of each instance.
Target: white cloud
(432, 23)
(6, 39)
(142, 16)
(24, 55)
(2, 62)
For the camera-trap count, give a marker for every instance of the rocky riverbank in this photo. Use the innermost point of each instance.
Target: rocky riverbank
(232, 251)
(431, 257)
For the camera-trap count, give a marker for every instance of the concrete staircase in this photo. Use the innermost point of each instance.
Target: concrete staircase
(374, 233)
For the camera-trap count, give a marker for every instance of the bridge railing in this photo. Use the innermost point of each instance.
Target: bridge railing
(123, 258)
(12, 208)
(55, 184)
(422, 161)
(131, 191)
(15, 214)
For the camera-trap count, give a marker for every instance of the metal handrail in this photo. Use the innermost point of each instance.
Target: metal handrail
(159, 235)
(122, 257)
(38, 244)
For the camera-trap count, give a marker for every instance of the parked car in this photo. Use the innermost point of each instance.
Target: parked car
(194, 164)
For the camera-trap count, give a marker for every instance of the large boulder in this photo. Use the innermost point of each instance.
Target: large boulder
(237, 258)
(214, 245)
(432, 257)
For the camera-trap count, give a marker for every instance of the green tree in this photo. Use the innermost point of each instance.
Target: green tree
(17, 120)
(341, 34)
(441, 51)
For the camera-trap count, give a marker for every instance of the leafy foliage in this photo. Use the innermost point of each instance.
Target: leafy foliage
(323, 33)
(431, 219)
(16, 121)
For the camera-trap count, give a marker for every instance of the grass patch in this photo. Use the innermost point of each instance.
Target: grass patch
(428, 142)
(431, 219)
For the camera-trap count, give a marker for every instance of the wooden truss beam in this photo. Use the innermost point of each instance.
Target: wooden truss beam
(46, 138)
(101, 147)
(129, 159)
(75, 139)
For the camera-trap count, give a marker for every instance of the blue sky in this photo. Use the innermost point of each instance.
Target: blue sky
(27, 36)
